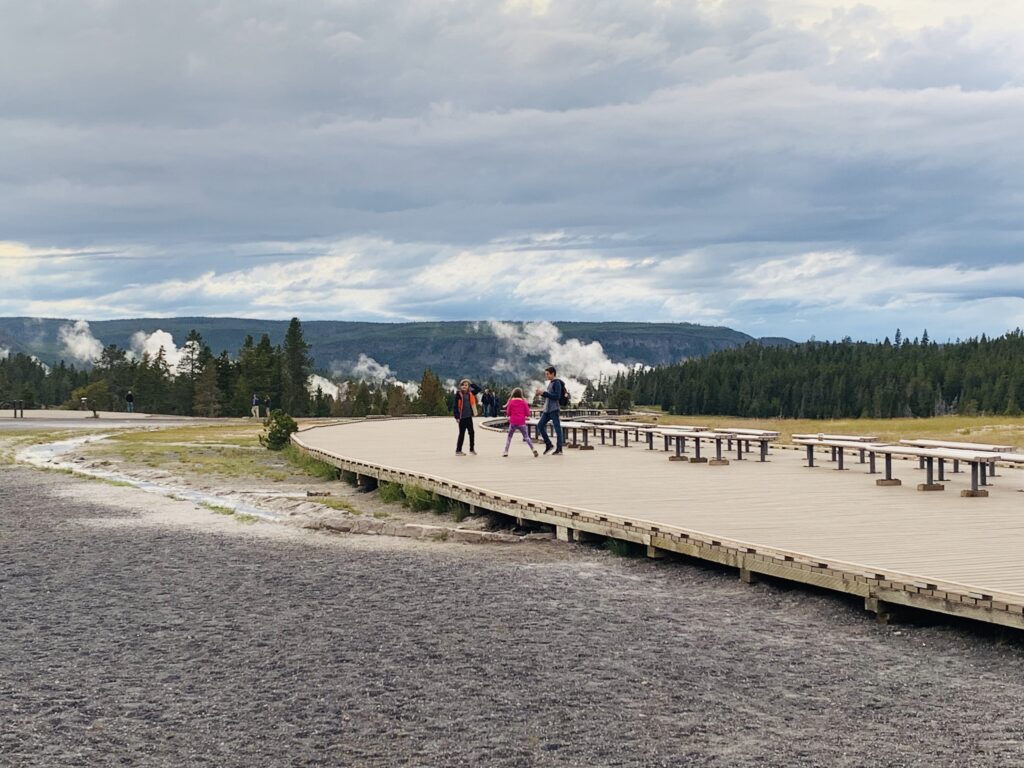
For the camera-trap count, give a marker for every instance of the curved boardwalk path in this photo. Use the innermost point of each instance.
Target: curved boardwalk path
(894, 546)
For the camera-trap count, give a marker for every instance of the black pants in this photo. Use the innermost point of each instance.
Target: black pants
(466, 425)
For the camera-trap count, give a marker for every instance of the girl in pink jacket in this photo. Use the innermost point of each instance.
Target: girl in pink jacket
(518, 411)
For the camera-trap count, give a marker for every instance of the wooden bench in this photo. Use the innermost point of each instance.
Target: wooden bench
(744, 437)
(842, 438)
(574, 428)
(668, 434)
(978, 461)
(959, 446)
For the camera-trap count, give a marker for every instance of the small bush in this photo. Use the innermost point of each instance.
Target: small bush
(279, 427)
(391, 492)
(418, 498)
(459, 510)
(622, 548)
(439, 504)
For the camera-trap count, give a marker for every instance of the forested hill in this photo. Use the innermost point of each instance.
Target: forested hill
(845, 379)
(449, 348)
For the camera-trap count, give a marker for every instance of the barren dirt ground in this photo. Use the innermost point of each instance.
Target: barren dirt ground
(136, 630)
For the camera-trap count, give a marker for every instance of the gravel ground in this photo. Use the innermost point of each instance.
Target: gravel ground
(141, 632)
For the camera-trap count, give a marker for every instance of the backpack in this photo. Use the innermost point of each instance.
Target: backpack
(563, 401)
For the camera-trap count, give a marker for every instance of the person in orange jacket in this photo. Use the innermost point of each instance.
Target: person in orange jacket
(463, 407)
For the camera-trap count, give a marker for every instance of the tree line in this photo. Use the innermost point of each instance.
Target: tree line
(845, 379)
(201, 383)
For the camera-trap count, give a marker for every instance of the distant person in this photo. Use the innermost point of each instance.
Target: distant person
(266, 404)
(255, 412)
(551, 412)
(129, 401)
(463, 408)
(490, 401)
(518, 411)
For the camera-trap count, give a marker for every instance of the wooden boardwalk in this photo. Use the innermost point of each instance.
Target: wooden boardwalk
(892, 545)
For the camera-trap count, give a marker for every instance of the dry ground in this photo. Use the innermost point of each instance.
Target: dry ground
(142, 631)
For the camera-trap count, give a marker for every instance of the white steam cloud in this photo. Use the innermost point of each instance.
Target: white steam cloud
(78, 341)
(327, 386)
(4, 353)
(150, 343)
(40, 363)
(576, 362)
(369, 370)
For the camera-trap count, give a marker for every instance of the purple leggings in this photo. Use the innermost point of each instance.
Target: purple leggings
(521, 428)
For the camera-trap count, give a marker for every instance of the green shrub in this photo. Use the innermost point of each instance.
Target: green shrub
(390, 492)
(459, 510)
(278, 427)
(417, 498)
(622, 548)
(439, 504)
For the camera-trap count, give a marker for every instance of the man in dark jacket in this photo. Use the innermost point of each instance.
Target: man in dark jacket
(463, 405)
(551, 412)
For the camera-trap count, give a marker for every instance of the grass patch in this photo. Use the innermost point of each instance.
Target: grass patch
(417, 498)
(218, 509)
(308, 464)
(200, 459)
(246, 519)
(380, 515)
(115, 483)
(338, 504)
(459, 510)
(391, 492)
(236, 435)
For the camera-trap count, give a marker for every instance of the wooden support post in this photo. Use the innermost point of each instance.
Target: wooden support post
(654, 553)
(885, 613)
(747, 576)
(563, 533)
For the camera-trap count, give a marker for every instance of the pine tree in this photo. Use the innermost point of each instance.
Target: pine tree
(297, 368)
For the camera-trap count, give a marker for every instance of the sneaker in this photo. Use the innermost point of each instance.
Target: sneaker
(473, 452)
(548, 449)
(557, 453)
(459, 453)
(535, 454)
(505, 455)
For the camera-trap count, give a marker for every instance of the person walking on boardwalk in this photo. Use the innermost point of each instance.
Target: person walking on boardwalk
(129, 401)
(255, 411)
(463, 407)
(518, 411)
(551, 411)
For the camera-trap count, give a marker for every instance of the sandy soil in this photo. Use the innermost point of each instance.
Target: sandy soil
(138, 631)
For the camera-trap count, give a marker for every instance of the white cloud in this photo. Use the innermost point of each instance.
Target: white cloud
(523, 159)
(79, 343)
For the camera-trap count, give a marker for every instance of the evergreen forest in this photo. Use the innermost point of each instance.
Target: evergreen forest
(845, 379)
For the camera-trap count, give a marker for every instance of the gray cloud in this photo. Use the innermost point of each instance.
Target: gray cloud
(349, 151)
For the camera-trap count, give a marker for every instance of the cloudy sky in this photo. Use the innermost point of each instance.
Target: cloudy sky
(785, 167)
